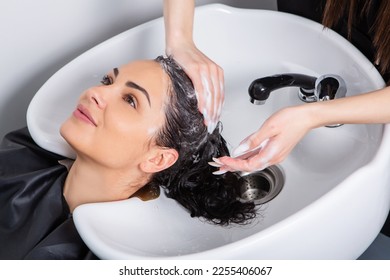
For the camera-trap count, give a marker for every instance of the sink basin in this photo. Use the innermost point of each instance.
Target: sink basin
(337, 186)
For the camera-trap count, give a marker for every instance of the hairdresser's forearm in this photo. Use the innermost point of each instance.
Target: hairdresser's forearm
(373, 107)
(178, 19)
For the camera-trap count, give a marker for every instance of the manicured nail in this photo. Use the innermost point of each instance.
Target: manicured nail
(211, 126)
(219, 172)
(205, 115)
(214, 164)
(197, 95)
(217, 161)
(242, 148)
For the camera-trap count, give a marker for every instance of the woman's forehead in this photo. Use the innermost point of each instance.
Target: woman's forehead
(143, 67)
(146, 74)
(149, 72)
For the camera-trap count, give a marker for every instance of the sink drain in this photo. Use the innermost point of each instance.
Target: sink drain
(262, 186)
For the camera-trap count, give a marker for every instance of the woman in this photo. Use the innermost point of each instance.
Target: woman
(141, 127)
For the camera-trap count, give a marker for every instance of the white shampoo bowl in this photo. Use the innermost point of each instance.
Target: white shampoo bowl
(337, 186)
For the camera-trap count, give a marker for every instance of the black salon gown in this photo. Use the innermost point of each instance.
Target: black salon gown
(35, 221)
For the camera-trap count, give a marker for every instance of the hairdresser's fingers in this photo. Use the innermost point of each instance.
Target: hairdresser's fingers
(207, 78)
(258, 161)
(219, 94)
(244, 155)
(286, 127)
(256, 152)
(248, 165)
(274, 151)
(253, 142)
(213, 95)
(206, 97)
(198, 85)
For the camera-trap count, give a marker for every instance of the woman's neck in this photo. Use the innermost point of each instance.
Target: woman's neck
(88, 182)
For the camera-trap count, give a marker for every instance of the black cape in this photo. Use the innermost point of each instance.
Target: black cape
(35, 221)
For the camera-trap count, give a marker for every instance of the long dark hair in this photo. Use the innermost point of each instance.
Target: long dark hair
(335, 10)
(190, 180)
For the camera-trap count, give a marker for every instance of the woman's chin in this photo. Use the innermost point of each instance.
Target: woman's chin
(65, 131)
(70, 134)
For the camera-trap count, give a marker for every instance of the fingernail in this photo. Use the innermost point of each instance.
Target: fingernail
(209, 123)
(205, 115)
(219, 172)
(197, 95)
(211, 126)
(217, 160)
(242, 148)
(214, 164)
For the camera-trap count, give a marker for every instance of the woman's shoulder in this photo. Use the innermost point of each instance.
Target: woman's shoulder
(32, 203)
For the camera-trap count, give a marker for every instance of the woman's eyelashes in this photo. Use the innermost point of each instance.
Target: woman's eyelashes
(129, 98)
(106, 80)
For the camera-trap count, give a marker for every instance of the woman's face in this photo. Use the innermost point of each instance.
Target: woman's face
(114, 122)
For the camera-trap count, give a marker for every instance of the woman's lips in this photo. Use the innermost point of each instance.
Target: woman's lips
(83, 114)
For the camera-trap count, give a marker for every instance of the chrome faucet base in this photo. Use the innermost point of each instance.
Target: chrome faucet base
(307, 96)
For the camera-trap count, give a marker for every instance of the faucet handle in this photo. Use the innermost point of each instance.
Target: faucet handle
(329, 87)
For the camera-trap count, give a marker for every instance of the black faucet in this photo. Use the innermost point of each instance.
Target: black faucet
(311, 89)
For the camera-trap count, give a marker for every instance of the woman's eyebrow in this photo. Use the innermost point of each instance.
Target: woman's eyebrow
(141, 89)
(134, 85)
(116, 72)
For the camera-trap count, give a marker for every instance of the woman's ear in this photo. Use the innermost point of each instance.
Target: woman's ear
(159, 159)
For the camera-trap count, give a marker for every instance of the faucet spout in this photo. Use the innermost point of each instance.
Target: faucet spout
(261, 88)
(311, 89)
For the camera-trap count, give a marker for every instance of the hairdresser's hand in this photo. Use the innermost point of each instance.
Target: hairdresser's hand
(207, 77)
(277, 137)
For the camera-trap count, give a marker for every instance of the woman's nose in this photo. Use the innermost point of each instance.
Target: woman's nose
(98, 96)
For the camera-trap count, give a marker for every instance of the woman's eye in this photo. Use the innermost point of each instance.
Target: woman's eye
(130, 99)
(106, 80)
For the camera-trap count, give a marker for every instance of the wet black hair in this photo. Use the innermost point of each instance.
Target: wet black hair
(190, 180)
